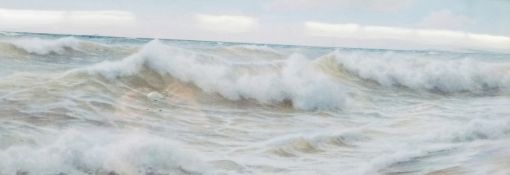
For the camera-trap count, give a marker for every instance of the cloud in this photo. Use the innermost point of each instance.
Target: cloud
(100, 17)
(226, 23)
(436, 38)
(29, 17)
(378, 5)
(24, 18)
(445, 19)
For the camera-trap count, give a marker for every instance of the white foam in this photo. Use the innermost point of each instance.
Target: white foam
(449, 75)
(94, 150)
(297, 80)
(46, 46)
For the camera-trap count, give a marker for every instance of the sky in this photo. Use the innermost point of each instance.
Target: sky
(471, 24)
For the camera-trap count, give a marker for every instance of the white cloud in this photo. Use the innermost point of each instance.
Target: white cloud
(100, 17)
(29, 17)
(24, 18)
(226, 23)
(445, 19)
(436, 38)
(385, 6)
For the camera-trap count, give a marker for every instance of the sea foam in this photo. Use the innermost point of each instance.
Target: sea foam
(100, 151)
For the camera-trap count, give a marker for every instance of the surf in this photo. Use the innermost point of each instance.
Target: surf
(139, 106)
(294, 80)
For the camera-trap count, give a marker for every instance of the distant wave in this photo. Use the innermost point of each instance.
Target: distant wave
(253, 48)
(44, 47)
(442, 75)
(295, 80)
(61, 46)
(247, 52)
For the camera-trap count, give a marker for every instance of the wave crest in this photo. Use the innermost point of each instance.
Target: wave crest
(447, 76)
(295, 80)
(44, 47)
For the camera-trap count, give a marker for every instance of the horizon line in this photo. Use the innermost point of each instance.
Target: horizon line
(243, 42)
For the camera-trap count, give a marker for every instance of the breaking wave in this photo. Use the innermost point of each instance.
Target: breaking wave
(295, 80)
(302, 82)
(442, 75)
(99, 151)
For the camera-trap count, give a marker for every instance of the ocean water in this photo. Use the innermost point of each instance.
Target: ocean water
(101, 105)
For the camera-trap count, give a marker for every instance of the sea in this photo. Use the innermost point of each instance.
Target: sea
(82, 105)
